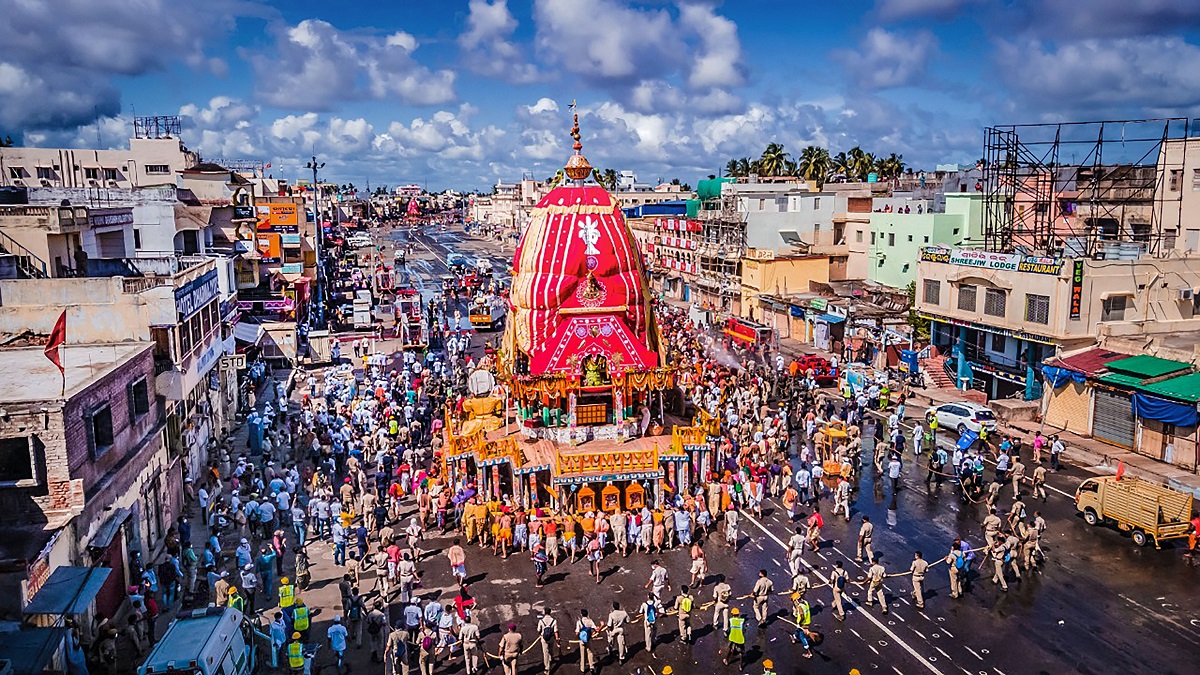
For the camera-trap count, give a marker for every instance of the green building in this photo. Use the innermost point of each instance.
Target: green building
(897, 237)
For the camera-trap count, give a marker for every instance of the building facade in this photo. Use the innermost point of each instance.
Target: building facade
(88, 479)
(901, 228)
(1000, 315)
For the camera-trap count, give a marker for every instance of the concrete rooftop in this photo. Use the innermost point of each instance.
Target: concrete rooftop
(29, 376)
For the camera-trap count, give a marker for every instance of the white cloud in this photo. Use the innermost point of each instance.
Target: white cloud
(906, 9)
(886, 59)
(687, 59)
(315, 66)
(1154, 73)
(717, 63)
(487, 45)
(543, 105)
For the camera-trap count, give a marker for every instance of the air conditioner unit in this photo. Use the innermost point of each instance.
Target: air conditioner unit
(93, 183)
(112, 183)
(45, 183)
(1185, 294)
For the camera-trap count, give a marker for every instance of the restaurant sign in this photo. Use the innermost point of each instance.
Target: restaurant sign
(1012, 262)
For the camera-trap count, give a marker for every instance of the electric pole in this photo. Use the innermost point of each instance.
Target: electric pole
(319, 295)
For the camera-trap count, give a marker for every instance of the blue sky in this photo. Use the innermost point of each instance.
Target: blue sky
(460, 93)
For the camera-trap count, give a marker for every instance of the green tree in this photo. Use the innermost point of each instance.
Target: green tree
(7, 142)
(891, 166)
(861, 163)
(840, 165)
(814, 165)
(920, 326)
(772, 161)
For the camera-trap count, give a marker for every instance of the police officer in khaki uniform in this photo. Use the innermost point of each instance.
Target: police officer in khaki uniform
(918, 569)
(683, 606)
(761, 591)
(1039, 483)
(875, 576)
(864, 541)
(1018, 474)
(991, 527)
(837, 581)
(721, 594)
(615, 629)
(956, 561)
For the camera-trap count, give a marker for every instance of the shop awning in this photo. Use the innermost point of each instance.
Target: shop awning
(830, 318)
(29, 650)
(1088, 362)
(248, 332)
(1146, 366)
(69, 590)
(1183, 388)
(106, 533)
(1162, 410)
(1121, 380)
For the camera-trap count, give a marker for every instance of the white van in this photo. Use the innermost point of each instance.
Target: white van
(205, 641)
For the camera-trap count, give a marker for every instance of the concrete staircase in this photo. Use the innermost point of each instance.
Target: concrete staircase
(28, 265)
(933, 369)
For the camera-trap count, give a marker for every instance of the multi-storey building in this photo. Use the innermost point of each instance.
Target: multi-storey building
(85, 476)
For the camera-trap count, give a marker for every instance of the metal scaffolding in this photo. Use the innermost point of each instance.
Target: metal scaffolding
(1082, 188)
(158, 126)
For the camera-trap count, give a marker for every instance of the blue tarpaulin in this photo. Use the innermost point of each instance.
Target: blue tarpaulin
(831, 318)
(1162, 410)
(1060, 376)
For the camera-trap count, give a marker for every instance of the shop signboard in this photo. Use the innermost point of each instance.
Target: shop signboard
(990, 260)
(1076, 289)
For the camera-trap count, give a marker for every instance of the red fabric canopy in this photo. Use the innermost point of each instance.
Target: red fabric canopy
(579, 256)
(581, 336)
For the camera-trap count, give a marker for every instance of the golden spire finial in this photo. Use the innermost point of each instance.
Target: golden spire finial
(577, 168)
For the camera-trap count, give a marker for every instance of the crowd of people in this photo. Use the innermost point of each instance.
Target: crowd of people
(353, 460)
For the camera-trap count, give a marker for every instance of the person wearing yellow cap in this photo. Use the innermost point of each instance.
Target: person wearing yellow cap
(667, 670)
(236, 601)
(295, 654)
(768, 667)
(300, 618)
(287, 593)
(737, 637)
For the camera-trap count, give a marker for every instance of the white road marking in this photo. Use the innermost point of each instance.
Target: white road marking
(878, 624)
(973, 652)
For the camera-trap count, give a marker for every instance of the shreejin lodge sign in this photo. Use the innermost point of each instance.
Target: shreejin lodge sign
(992, 261)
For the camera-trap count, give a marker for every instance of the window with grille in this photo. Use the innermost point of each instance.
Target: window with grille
(158, 168)
(995, 302)
(933, 292)
(966, 297)
(1037, 308)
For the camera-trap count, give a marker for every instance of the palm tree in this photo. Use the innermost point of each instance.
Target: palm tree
(840, 165)
(731, 168)
(772, 161)
(891, 166)
(861, 163)
(814, 165)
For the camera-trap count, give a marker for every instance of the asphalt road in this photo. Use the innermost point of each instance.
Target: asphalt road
(1099, 605)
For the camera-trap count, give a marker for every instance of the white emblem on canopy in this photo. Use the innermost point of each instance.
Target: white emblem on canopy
(590, 234)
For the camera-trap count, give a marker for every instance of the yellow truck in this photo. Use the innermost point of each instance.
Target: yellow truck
(1146, 510)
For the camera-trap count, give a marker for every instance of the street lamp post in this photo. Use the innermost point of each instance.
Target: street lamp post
(319, 295)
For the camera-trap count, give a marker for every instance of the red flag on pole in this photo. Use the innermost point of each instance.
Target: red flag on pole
(1120, 468)
(57, 337)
